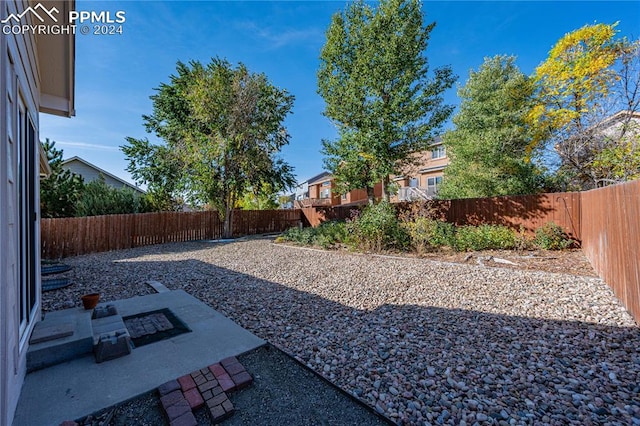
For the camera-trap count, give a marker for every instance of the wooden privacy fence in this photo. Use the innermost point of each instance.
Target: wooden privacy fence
(80, 235)
(528, 212)
(611, 239)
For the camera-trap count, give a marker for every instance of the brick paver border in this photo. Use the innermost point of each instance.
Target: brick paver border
(208, 386)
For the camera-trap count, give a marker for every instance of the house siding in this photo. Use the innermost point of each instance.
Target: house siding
(90, 173)
(19, 91)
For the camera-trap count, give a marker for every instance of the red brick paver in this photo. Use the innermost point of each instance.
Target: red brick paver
(242, 380)
(194, 398)
(186, 382)
(227, 384)
(187, 419)
(234, 369)
(217, 370)
(168, 387)
(171, 398)
(205, 386)
(178, 409)
(229, 361)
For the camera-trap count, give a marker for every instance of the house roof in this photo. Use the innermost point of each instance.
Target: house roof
(319, 178)
(612, 120)
(436, 141)
(56, 55)
(45, 169)
(432, 169)
(103, 172)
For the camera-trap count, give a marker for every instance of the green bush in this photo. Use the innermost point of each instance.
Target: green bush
(327, 235)
(377, 228)
(330, 234)
(427, 234)
(552, 237)
(523, 240)
(484, 237)
(303, 236)
(98, 198)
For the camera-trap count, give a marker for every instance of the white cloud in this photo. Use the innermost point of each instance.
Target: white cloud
(85, 145)
(281, 38)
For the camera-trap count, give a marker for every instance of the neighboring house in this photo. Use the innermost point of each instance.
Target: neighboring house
(622, 121)
(622, 130)
(420, 180)
(36, 75)
(302, 196)
(90, 172)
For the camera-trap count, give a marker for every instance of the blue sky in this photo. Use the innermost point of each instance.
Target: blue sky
(116, 74)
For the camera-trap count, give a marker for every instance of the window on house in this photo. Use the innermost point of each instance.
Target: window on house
(325, 193)
(434, 182)
(344, 197)
(413, 182)
(327, 183)
(26, 138)
(438, 152)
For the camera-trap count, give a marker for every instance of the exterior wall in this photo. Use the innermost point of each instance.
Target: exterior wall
(321, 192)
(354, 196)
(19, 103)
(314, 191)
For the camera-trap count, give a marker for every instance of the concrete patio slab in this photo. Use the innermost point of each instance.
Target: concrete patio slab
(80, 387)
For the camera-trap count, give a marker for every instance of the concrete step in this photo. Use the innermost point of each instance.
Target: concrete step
(62, 336)
(72, 333)
(111, 338)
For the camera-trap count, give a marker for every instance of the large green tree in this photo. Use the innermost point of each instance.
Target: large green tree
(224, 127)
(488, 147)
(157, 167)
(98, 198)
(574, 89)
(374, 78)
(60, 192)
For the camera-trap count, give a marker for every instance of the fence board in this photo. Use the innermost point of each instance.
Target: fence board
(525, 211)
(80, 235)
(611, 239)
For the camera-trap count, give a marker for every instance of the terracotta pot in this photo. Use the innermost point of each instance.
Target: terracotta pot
(89, 301)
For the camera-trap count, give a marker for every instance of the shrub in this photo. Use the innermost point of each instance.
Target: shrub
(98, 198)
(427, 234)
(484, 237)
(330, 234)
(552, 237)
(524, 241)
(296, 235)
(377, 228)
(327, 235)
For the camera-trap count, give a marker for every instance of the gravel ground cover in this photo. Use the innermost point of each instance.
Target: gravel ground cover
(423, 342)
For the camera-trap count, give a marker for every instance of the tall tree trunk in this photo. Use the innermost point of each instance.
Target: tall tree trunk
(228, 222)
(371, 196)
(385, 189)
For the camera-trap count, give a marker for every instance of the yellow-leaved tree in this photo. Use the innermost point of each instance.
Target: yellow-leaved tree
(574, 88)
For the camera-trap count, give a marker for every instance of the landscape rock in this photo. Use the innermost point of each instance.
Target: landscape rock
(466, 340)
